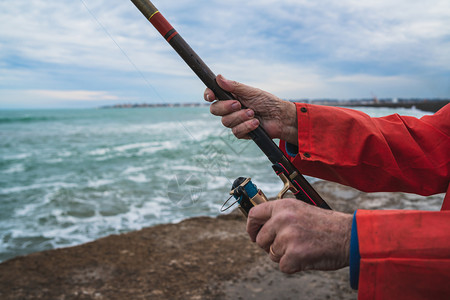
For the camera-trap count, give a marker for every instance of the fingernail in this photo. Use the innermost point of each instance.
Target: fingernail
(236, 106)
(250, 113)
(255, 122)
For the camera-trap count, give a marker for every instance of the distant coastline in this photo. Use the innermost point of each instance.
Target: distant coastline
(430, 105)
(155, 105)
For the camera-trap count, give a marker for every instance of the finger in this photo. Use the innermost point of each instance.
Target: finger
(281, 241)
(241, 131)
(273, 253)
(238, 117)
(222, 108)
(290, 263)
(208, 95)
(257, 216)
(234, 87)
(266, 235)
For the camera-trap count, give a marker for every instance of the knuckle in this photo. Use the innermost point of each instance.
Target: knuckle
(213, 109)
(252, 214)
(260, 240)
(235, 119)
(235, 84)
(289, 264)
(286, 268)
(249, 125)
(238, 131)
(237, 135)
(288, 206)
(285, 215)
(289, 202)
(226, 122)
(287, 235)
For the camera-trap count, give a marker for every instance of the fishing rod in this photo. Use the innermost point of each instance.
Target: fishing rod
(242, 189)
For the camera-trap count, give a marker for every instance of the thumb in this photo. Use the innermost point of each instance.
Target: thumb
(234, 87)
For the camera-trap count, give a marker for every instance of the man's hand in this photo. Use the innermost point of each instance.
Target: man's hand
(300, 236)
(277, 117)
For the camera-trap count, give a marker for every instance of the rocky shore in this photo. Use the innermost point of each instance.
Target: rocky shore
(198, 258)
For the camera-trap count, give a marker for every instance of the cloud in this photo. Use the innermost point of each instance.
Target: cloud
(73, 95)
(58, 98)
(293, 47)
(297, 81)
(347, 30)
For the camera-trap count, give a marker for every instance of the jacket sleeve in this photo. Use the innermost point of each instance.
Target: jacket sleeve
(404, 254)
(392, 153)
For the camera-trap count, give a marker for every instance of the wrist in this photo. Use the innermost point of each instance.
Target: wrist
(289, 128)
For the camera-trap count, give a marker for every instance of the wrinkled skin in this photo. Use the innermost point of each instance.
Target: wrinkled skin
(296, 235)
(278, 117)
(303, 237)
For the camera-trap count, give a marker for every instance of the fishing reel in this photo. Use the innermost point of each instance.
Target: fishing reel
(246, 194)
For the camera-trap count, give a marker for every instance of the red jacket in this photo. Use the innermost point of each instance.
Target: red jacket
(404, 254)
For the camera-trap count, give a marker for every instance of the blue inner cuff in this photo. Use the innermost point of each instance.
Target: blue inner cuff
(355, 256)
(291, 150)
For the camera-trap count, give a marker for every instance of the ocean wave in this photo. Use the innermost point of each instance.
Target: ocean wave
(16, 168)
(99, 182)
(99, 174)
(159, 146)
(126, 147)
(54, 160)
(165, 128)
(132, 169)
(26, 119)
(99, 151)
(36, 186)
(19, 156)
(63, 226)
(139, 178)
(137, 149)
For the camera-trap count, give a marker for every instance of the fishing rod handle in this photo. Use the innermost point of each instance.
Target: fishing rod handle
(259, 136)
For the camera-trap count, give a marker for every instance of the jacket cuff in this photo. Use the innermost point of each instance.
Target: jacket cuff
(302, 151)
(291, 150)
(355, 256)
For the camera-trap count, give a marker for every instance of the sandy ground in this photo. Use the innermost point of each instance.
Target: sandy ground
(199, 258)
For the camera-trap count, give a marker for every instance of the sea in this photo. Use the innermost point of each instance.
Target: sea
(72, 176)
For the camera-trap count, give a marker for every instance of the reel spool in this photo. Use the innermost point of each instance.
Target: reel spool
(246, 194)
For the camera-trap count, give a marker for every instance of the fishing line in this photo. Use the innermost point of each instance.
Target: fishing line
(136, 68)
(121, 50)
(132, 63)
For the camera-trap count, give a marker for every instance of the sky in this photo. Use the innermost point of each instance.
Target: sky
(89, 53)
